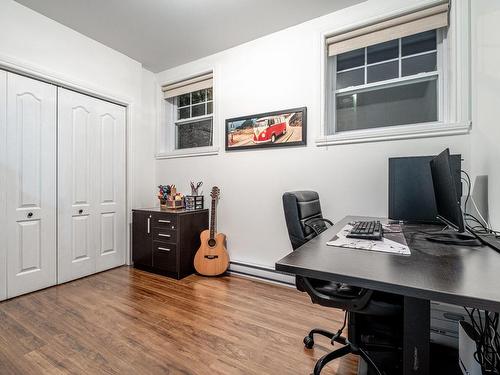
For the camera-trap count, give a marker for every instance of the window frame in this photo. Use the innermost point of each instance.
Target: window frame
(400, 80)
(453, 86)
(166, 144)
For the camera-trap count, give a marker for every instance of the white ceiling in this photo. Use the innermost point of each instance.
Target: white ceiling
(164, 33)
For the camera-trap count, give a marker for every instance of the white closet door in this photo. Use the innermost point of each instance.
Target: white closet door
(31, 185)
(76, 163)
(110, 182)
(3, 186)
(91, 158)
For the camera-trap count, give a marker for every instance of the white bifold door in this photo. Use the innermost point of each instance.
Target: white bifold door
(91, 185)
(29, 176)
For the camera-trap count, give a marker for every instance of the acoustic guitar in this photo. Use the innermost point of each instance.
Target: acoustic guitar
(212, 259)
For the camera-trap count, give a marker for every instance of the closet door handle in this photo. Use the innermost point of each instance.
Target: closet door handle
(149, 225)
(163, 249)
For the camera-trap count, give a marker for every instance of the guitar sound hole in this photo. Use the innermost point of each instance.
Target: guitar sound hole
(211, 257)
(211, 242)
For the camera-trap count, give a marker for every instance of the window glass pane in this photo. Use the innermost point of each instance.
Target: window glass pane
(210, 94)
(184, 113)
(350, 78)
(381, 72)
(418, 43)
(194, 134)
(209, 107)
(405, 104)
(382, 51)
(198, 110)
(199, 96)
(184, 99)
(419, 64)
(351, 59)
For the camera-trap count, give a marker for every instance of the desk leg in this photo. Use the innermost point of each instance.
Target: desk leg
(416, 340)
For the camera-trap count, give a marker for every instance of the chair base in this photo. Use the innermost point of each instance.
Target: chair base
(348, 348)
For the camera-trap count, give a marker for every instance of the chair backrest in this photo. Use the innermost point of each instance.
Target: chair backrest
(300, 207)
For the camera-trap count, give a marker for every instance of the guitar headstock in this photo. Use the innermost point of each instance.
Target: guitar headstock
(215, 192)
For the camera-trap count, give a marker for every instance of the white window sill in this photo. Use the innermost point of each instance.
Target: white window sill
(188, 152)
(394, 133)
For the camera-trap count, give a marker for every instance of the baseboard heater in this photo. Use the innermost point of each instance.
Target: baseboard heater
(260, 272)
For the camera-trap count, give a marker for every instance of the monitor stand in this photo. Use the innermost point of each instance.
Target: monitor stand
(450, 236)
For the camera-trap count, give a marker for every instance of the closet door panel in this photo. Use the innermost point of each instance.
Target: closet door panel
(111, 186)
(77, 163)
(92, 228)
(3, 187)
(31, 185)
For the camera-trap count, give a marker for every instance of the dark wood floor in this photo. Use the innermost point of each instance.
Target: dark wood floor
(126, 321)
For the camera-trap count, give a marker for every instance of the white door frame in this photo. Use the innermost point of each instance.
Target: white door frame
(21, 67)
(3, 183)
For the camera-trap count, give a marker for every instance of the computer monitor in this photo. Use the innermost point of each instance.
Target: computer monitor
(411, 192)
(445, 193)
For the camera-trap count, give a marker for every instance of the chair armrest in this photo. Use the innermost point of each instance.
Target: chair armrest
(308, 223)
(350, 304)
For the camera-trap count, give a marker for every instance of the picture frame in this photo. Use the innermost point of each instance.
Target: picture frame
(283, 128)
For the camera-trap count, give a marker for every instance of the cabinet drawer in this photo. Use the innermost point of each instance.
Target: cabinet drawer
(164, 221)
(164, 235)
(165, 256)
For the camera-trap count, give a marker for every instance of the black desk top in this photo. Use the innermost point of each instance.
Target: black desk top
(467, 276)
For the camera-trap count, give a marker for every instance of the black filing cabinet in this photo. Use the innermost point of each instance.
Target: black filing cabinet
(165, 241)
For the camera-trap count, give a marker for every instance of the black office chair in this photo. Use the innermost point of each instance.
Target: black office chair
(305, 221)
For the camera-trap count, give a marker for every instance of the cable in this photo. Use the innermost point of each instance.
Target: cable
(479, 213)
(485, 227)
(469, 186)
(487, 340)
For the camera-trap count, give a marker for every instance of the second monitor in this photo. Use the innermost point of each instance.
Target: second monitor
(411, 191)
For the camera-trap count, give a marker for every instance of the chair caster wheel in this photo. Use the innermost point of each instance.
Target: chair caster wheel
(308, 342)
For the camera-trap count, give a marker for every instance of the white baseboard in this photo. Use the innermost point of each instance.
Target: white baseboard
(261, 273)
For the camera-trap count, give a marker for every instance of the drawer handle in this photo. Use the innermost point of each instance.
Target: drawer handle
(163, 249)
(30, 214)
(164, 235)
(164, 221)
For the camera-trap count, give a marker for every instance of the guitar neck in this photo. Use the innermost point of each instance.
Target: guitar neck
(212, 219)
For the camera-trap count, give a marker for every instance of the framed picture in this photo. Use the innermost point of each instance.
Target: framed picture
(271, 129)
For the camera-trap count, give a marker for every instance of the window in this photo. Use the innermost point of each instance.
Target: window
(387, 84)
(401, 77)
(188, 126)
(193, 119)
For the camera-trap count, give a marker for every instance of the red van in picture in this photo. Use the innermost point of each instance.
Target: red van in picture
(268, 129)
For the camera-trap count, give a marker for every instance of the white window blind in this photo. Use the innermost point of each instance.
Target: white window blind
(201, 82)
(430, 18)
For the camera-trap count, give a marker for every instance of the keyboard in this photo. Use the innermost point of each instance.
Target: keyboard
(366, 230)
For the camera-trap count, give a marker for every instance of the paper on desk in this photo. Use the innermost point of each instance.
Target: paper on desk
(393, 241)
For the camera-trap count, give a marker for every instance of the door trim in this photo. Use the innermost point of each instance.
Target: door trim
(3, 183)
(20, 67)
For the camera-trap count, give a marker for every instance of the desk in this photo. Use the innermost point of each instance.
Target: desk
(466, 276)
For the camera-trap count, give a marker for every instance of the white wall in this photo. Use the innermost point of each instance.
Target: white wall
(40, 44)
(280, 71)
(485, 138)
(143, 143)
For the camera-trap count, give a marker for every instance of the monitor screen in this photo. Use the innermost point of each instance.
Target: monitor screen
(411, 192)
(445, 193)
